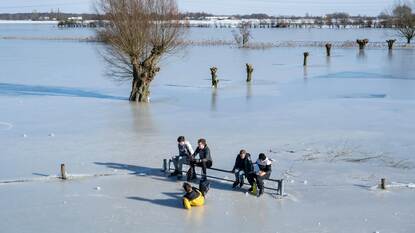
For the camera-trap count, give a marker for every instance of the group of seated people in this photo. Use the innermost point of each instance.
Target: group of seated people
(243, 168)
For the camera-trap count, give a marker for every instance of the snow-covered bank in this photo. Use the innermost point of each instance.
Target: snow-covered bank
(27, 22)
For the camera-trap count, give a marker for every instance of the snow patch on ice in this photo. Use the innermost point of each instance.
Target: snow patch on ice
(5, 125)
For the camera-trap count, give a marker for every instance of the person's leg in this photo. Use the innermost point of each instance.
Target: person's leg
(237, 177)
(186, 203)
(251, 179)
(175, 160)
(191, 174)
(241, 179)
(260, 180)
(182, 160)
(205, 165)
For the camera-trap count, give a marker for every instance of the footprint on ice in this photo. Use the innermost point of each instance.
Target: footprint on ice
(305, 182)
(51, 135)
(25, 135)
(97, 188)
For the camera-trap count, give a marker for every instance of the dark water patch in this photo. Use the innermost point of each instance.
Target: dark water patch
(362, 75)
(363, 96)
(185, 86)
(35, 90)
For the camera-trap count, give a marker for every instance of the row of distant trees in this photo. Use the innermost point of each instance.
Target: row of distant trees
(36, 16)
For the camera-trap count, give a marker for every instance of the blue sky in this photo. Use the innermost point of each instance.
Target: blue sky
(272, 7)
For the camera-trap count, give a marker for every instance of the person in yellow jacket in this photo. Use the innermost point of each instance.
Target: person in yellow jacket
(192, 197)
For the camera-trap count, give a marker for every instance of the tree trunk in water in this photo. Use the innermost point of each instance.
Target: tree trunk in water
(140, 91)
(305, 58)
(215, 80)
(362, 43)
(328, 49)
(249, 70)
(142, 76)
(390, 44)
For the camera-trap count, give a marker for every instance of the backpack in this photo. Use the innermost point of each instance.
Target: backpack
(204, 187)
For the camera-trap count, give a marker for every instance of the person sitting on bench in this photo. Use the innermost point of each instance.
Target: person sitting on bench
(204, 161)
(192, 197)
(243, 167)
(262, 171)
(185, 153)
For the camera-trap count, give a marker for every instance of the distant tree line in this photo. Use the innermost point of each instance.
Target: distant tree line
(39, 16)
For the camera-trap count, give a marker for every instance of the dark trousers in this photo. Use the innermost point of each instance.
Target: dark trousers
(203, 164)
(258, 179)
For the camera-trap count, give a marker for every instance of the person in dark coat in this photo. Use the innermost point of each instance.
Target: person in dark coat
(262, 171)
(204, 161)
(242, 168)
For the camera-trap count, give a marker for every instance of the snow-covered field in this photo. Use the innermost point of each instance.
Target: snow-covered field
(335, 128)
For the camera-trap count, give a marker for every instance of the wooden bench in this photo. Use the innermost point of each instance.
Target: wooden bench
(166, 167)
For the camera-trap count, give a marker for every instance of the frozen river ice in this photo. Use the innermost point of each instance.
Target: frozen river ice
(335, 128)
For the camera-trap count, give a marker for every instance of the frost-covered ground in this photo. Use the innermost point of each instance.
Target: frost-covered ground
(334, 128)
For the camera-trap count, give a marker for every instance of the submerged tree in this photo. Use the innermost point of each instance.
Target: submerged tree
(243, 35)
(138, 35)
(404, 21)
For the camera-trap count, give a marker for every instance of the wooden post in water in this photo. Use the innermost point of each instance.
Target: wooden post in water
(383, 183)
(63, 172)
(249, 70)
(328, 49)
(362, 43)
(305, 58)
(390, 44)
(215, 80)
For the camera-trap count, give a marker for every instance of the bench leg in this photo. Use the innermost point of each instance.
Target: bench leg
(164, 166)
(281, 187)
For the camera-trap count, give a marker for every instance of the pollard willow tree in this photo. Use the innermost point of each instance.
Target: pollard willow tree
(138, 34)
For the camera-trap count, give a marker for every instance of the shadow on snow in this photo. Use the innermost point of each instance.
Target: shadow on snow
(35, 90)
(158, 175)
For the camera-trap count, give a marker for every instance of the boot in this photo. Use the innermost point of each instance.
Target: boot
(241, 183)
(191, 175)
(235, 184)
(261, 191)
(175, 173)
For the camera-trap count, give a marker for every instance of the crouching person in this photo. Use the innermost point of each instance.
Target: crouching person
(262, 171)
(242, 168)
(185, 153)
(192, 197)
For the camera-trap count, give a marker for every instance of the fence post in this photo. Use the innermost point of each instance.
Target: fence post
(305, 58)
(383, 183)
(63, 172)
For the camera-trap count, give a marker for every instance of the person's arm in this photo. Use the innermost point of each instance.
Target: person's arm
(189, 147)
(208, 157)
(266, 170)
(193, 156)
(236, 162)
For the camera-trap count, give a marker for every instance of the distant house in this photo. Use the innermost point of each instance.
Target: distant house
(75, 18)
